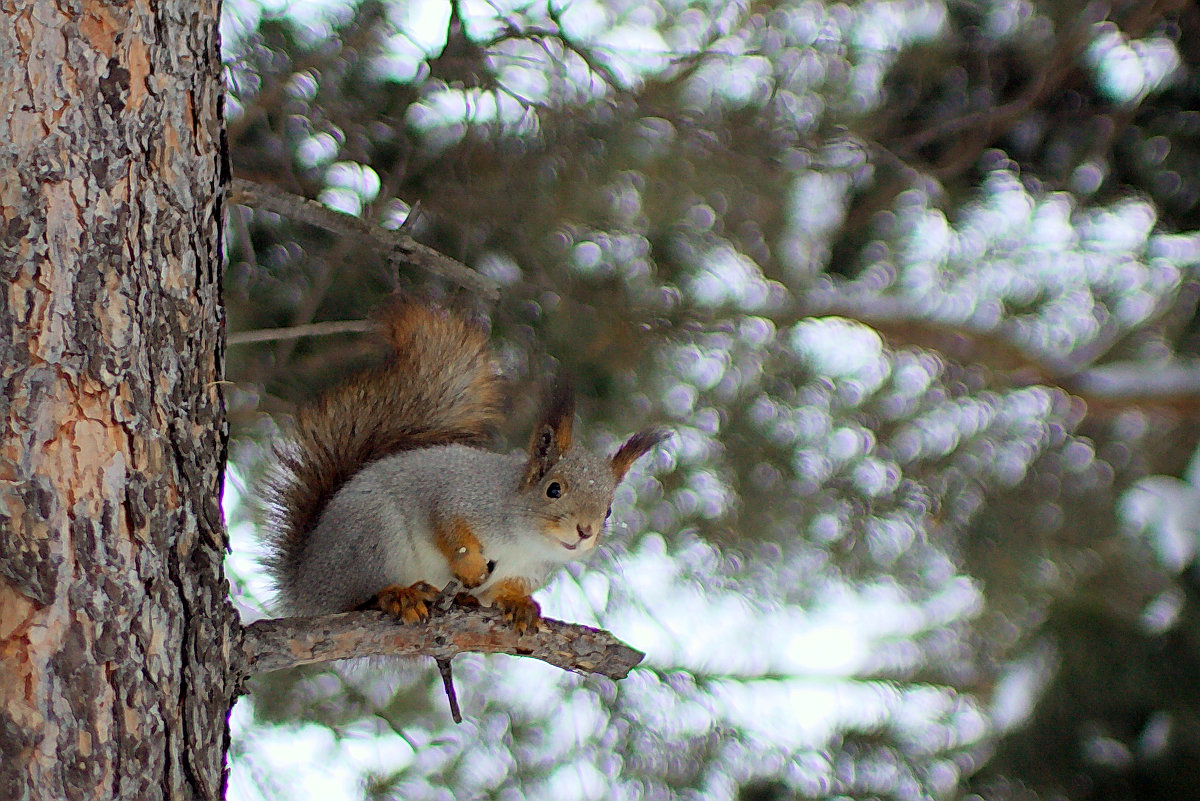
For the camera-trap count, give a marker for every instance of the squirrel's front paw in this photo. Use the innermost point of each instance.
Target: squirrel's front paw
(458, 543)
(410, 604)
(470, 567)
(523, 614)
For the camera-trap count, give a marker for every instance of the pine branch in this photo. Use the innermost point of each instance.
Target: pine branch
(1172, 383)
(397, 244)
(287, 642)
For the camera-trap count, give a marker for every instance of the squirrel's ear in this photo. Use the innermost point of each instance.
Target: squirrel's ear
(552, 437)
(634, 448)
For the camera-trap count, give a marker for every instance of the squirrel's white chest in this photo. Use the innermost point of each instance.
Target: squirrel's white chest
(528, 556)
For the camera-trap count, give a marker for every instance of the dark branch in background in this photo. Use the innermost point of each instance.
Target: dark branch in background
(974, 131)
(399, 246)
(1117, 385)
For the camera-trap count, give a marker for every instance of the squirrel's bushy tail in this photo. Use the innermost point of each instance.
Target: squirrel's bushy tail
(437, 387)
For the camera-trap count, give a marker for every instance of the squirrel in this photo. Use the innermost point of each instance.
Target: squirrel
(385, 491)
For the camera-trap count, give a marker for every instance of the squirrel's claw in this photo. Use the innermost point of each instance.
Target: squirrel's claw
(523, 614)
(410, 604)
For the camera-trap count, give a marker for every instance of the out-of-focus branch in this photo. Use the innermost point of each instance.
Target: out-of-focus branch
(1118, 385)
(398, 245)
(972, 132)
(1176, 382)
(287, 642)
(900, 322)
(301, 331)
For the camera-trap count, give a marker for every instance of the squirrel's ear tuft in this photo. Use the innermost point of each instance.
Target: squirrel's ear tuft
(634, 448)
(560, 414)
(552, 437)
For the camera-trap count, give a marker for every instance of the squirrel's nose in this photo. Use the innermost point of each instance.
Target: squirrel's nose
(584, 531)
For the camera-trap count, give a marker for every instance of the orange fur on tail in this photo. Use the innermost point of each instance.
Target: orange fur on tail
(437, 387)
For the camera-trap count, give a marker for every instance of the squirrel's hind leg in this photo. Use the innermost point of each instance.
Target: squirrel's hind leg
(410, 604)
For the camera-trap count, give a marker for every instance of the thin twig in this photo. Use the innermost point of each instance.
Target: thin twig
(397, 245)
(243, 232)
(973, 131)
(310, 301)
(448, 683)
(301, 331)
(410, 221)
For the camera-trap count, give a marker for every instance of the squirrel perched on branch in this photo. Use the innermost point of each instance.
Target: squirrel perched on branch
(385, 493)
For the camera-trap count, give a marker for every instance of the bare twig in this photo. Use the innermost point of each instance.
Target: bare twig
(287, 642)
(399, 246)
(238, 220)
(410, 221)
(448, 683)
(974, 131)
(985, 119)
(301, 331)
(327, 269)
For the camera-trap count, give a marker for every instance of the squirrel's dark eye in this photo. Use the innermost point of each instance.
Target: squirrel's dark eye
(554, 490)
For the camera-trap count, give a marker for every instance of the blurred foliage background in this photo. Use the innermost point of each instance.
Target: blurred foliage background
(915, 285)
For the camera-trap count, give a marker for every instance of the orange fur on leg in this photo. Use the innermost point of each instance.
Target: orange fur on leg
(463, 553)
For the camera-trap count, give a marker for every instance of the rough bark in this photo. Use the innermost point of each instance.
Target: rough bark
(115, 624)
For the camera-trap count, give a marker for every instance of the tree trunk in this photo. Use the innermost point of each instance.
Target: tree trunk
(116, 631)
